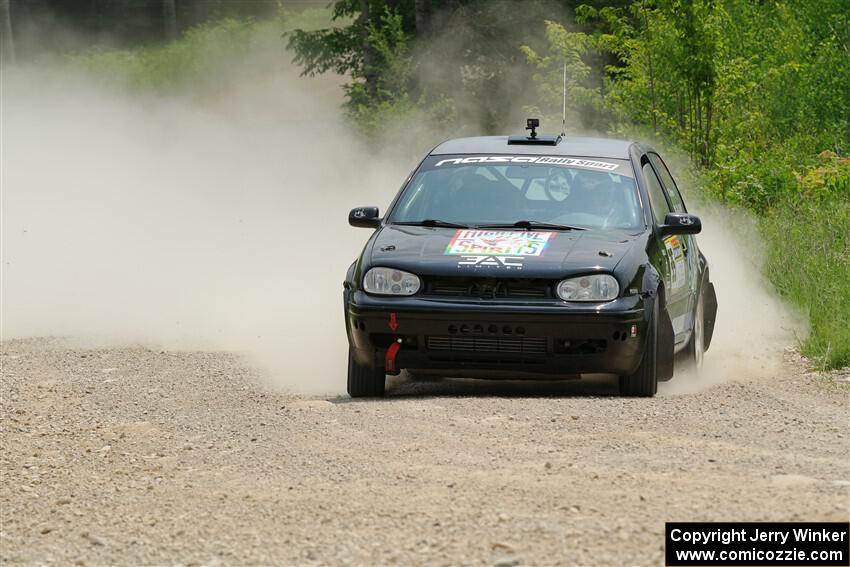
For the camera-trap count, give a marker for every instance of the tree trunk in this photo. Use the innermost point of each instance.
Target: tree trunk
(698, 133)
(7, 49)
(692, 120)
(200, 13)
(708, 149)
(369, 64)
(423, 16)
(680, 110)
(651, 74)
(169, 16)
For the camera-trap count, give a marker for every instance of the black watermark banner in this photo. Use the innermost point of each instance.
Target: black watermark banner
(745, 544)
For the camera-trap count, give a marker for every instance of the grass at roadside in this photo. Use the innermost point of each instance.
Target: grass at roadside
(808, 238)
(205, 56)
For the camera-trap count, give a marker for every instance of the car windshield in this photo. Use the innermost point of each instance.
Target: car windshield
(506, 190)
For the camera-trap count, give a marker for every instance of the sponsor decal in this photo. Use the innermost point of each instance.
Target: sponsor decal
(506, 262)
(468, 242)
(677, 256)
(539, 160)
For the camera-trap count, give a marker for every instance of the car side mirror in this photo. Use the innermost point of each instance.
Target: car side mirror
(364, 217)
(680, 223)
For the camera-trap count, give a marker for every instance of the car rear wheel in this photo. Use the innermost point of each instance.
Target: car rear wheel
(644, 382)
(696, 346)
(365, 381)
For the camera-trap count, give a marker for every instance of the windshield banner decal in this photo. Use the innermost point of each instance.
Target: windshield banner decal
(539, 160)
(467, 242)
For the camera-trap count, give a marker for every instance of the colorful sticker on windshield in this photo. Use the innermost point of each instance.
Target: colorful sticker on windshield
(539, 160)
(498, 243)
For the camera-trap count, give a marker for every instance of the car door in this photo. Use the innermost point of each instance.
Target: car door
(690, 249)
(673, 260)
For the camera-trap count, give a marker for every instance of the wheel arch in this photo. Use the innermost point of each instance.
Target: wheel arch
(347, 284)
(709, 308)
(654, 290)
(666, 338)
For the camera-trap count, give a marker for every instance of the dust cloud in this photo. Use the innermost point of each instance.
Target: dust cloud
(754, 326)
(186, 223)
(219, 222)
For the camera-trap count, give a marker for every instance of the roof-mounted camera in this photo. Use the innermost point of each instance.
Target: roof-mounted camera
(533, 139)
(532, 124)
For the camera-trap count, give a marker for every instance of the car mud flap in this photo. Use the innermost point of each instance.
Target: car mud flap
(709, 313)
(666, 341)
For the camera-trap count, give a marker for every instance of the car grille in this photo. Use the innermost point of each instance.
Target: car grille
(489, 288)
(517, 345)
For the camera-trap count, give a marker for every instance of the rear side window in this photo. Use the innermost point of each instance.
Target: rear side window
(656, 194)
(669, 184)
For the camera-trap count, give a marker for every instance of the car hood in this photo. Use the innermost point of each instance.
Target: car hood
(430, 251)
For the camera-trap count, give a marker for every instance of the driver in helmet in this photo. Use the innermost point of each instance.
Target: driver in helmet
(593, 194)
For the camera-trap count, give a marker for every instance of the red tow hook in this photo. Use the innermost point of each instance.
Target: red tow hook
(392, 352)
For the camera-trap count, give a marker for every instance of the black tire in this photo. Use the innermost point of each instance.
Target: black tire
(365, 381)
(644, 382)
(695, 349)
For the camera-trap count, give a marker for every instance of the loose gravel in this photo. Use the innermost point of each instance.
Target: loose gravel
(133, 456)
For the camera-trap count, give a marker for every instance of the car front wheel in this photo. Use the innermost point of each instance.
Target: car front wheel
(365, 381)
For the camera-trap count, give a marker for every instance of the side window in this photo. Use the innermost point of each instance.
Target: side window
(669, 184)
(656, 194)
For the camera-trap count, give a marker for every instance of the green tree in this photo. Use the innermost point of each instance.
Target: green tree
(348, 48)
(566, 66)
(459, 56)
(7, 48)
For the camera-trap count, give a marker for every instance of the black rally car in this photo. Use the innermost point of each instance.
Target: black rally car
(530, 256)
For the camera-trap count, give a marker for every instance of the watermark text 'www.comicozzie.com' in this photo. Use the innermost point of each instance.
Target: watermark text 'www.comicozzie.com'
(757, 544)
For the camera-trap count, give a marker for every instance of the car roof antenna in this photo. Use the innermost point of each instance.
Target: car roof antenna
(564, 112)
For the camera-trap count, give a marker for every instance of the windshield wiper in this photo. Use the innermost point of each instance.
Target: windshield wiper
(434, 222)
(529, 225)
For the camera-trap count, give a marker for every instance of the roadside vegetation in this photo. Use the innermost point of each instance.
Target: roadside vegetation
(758, 95)
(755, 93)
(206, 56)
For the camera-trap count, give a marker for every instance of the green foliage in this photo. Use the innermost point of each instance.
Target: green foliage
(391, 69)
(200, 58)
(329, 49)
(468, 63)
(754, 92)
(474, 57)
(809, 256)
(186, 61)
(568, 53)
(349, 48)
(393, 100)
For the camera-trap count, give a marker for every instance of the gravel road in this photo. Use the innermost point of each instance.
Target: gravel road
(139, 456)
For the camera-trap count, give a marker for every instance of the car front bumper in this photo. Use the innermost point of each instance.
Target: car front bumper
(477, 339)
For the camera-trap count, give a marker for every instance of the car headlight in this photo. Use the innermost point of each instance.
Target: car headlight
(589, 288)
(387, 281)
